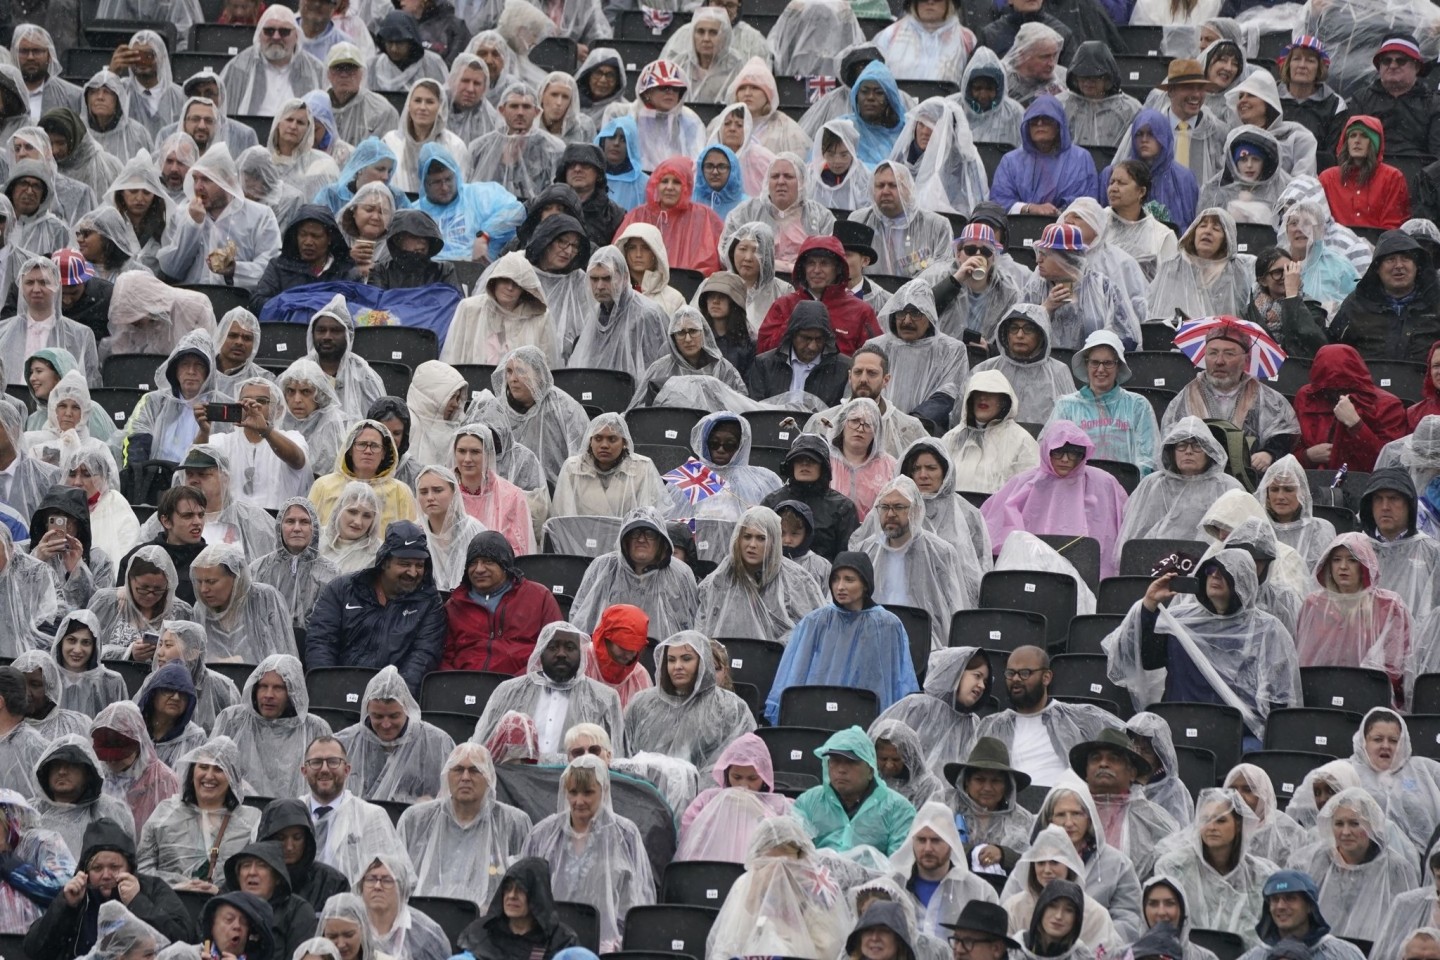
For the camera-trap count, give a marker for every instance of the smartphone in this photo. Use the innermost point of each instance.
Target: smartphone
(151, 638)
(224, 412)
(1185, 585)
(57, 522)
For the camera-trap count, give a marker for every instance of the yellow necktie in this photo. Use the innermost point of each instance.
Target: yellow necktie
(1182, 144)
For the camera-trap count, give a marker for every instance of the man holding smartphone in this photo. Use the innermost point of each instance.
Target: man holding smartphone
(267, 465)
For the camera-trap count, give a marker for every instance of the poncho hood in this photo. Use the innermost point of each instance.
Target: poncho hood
(1390, 478)
(1046, 107)
(76, 751)
(1193, 429)
(1093, 59)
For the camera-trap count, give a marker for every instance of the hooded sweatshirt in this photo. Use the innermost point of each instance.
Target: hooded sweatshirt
(852, 319)
(288, 270)
(1096, 123)
(291, 915)
(835, 516)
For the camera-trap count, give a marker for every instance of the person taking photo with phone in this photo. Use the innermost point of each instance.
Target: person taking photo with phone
(267, 465)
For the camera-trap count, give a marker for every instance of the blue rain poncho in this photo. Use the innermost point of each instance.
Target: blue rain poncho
(746, 485)
(883, 818)
(1172, 186)
(877, 141)
(728, 197)
(481, 207)
(627, 185)
(1121, 424)
(368, 153)
(1025, 175)
(949, 726)
(695, 726)
(832, 646)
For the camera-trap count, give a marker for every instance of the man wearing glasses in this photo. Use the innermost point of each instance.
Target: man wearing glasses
(272, 70)
(979, 933)
(972, 294)
(1040, 732)
(347, 830)
(227, 518)
(260, 869)
(269, 465)
(1406, 108)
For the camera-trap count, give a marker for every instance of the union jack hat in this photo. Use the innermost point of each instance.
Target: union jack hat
(1307, 42)
(661, 73)
(74, 271)
(979, 233)
(1061, 236)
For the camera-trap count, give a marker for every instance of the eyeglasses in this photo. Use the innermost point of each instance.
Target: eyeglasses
(384, 883)
(595, 751)
(568, 244)
(1066, 455)
(893, 508)
(367, 446)
(1189, 446)
(1024, 674)
(969, 943)
(1102, 364)
(716, 168)
(276, 31)
(1394, 61)
(334, 763)
(910, 313)
(649, 535)
(974, 250)
(725, 443)
(148, 591)
(1277, 274)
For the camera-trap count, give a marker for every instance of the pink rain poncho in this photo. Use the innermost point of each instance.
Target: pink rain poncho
(718, 823)
(861, 482)
(497, 503)
(1369, 628)
(1086, 503)
(691, 231)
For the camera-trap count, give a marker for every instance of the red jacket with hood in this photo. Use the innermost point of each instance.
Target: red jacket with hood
(1429, 405)
(1338, 370)
(1381, 204)
(500, 642)
(852, 319)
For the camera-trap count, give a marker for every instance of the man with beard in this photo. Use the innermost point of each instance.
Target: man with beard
(219, 236)
(174, 158)
(1035, 725)
(356, 383)
(869, 376)
(205, 84)
(271, 71)
(34, 53)
(349, 831)
(388, 614)
(153, 98)
(1112, 768)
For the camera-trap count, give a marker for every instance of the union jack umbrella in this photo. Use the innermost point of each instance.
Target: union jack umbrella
(1265, 354)
(695, 480)
(817, 87)
(656, 20)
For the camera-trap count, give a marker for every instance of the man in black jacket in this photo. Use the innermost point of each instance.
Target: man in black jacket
(107, 872)
(522, 921)
(287, 822)
(806, 472)
(260, 869)
(312, 250)
(582, 168)
(1394, 311)
(389, 614)
(807, 359)
(1408, 109)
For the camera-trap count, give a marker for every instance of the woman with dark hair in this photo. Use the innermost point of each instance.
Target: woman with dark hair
(1133, 226)
(141, 197)
(1364, 191)
(368, 454)
(1173, 186)
(722, 302)
(1280, 306)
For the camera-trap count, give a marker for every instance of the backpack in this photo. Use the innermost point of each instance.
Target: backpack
(1237, 451)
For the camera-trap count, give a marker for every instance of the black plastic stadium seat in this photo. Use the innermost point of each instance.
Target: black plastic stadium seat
(792, 749)
(754, 661)
(338, 719)
(997, 629)
(584, 919)
(555, 53)
(917, 630)
(1197, 769)
(1251, 238)
(1139, 557)
(1209, 726)
(1224, 944)
(286, 342)
(1293, 374)
(459, 691)
(1118, 594)
(772, 428)
(193, 900)
(117, 402)
(1312, 729)
(1157, 336)
(1087, 630)
(1345, 688)
(1404, 379)
(134, 371)
(828, 707)
(667, 425)
(1424, 734)
(665, 456)
(395, 376)
(561, 573)
(339, 687)
(237, 673)
(673, 927)
(411, 346)
(1165, 369)
(1053, 595)
(394, 809)
(1287, 769)
(1126, 474)
(990, 154)
(1341, 518)
(221, 37)
(1083, 553)
(133, 673)
(1084, 675)
(223, 299)
(476, 374)
(451, 914)
(700, 883)
(12, 946)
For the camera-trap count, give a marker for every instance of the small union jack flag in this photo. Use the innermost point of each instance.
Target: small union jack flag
(656, 20)
(823, 886)
(695, 480)
(817, 87)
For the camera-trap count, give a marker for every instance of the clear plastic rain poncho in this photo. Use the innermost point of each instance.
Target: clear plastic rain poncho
(255, 623)
(1341, 239)
(411, 933)
(271, 751)
(1350, 893)
(934, 365)
(1023, 889)
(1098, 302)
(948, 515)
(251, 226)
(718, 823)
(522, 163)
(807, 38)
(230, 383)
(44, 865)
(586, 700)
(355, 383)
(433, 386)
(1276, 836)
(1164, 786)
(407, 143)
(940, 579)
(1197, 287)
(959, 887)
(630, 334)
(1309, 535)
(554, 427)
(1168, 506)
(1248, 201)
(695, 726)
(44, 229)
(308, 168)
(1243, 658)
(70, 819)
(665, 589)
(605, 866)
(712, 362)
(1413, 912)
(148, 781)
(1110, 261)
(1231, 901)
(1334, 776)
(584, 490)
(458, 528)
(91, 689)
(1369, 627)
(496, 503)
(1026, 551)
(111, 224)
(861, 482)
(949, 176)
(176, 842)
(786, 903)
(462, 860)
(708, 84)
(15, 338)
(745, 484)
(1352, 32)
(120, 935)
(853, 191)
(1287, 579)
(403, 769)
(1038, 380)
(214, 691)
(918, 782)
(122, 622)
(792, 226)
(949, 727)
(149, 316)
(1408, 788)
(660, 135)
(1325, 275)
(480, 119)
(1109, 877)
(265, 183)
(483, 331)
(324, 429)
(299, 577)
(57, 720)
(352, 556)
(765, 605)
(28, 599)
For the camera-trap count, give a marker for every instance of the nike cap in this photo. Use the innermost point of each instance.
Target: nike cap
(413, 549)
